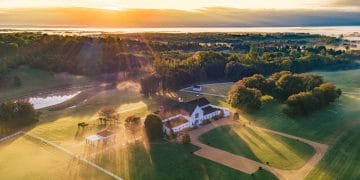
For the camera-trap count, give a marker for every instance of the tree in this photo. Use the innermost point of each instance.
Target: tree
(108, 114)
(18, 113)
(235, 70)
(330, 92)
(305, 102)
(153, 126)
(311, 81)
(256, 81)
(289, 84)
(244, 98)
(133, 124)
(301, 104)
(150, 85)
(212, 63)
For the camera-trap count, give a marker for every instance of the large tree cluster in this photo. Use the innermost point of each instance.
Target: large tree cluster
(301, 93)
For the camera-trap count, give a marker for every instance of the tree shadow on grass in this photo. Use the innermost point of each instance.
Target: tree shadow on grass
(274, 149)
(177, 161)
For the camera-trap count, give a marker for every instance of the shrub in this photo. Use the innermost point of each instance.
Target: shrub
(108, 114)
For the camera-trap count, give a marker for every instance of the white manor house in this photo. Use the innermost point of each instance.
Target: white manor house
(190, 114)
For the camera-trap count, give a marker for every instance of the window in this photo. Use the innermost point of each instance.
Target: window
(197, 115)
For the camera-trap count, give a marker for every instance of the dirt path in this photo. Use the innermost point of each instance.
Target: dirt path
(208, 94)
(250, 166)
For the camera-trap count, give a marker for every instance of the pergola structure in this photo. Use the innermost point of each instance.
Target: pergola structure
(100, 137)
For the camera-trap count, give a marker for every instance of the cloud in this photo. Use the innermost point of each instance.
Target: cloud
(207, 17)
(347, 3)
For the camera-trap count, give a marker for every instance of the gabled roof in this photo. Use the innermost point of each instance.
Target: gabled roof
(191, 105)
(199, 102)
(209, 109)
(105, 133)
(187, 108)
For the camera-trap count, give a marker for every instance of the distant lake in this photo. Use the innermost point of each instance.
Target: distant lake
(42, 102)
(350, 31)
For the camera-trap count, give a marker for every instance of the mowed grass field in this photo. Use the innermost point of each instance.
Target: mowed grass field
(28, 158)
(278, 151)
(24, 157)
(336, 125)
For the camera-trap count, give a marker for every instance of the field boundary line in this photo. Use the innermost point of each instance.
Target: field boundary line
(63, 150)
(209, 94)
(74, 155)
(203, 93)
(11, 136)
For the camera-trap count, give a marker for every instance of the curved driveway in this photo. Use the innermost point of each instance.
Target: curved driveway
(250, 166)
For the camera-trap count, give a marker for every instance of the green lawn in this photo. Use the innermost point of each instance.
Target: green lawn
(163, 160)
(343, 159)
(278, 151)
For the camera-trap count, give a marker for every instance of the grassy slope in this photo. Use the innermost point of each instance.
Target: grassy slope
(280, 152)
(33, 80)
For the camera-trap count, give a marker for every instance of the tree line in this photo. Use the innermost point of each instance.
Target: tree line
(210, 65)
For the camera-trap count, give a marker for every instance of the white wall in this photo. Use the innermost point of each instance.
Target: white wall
(199, 111)
(226, 110)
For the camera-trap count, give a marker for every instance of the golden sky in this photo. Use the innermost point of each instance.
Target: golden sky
(184, 4)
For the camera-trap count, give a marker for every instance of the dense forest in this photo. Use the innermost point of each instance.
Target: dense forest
(174, 60)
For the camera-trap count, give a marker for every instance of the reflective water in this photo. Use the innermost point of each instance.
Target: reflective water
(42, 102)
(324, 30)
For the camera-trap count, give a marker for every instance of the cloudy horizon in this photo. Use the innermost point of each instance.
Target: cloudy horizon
(165, 13)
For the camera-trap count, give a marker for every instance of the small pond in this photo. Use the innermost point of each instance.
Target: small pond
(42, 102)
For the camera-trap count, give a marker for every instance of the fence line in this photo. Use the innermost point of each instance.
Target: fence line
(74, 155)
(63, 150)
(11, 136)
(208, 94)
